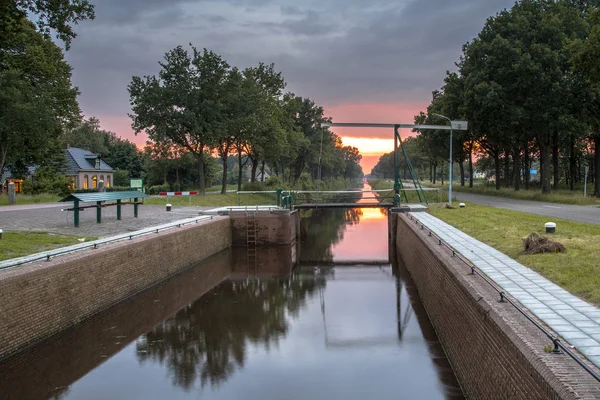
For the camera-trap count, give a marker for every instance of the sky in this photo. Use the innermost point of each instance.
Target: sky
(363, 61)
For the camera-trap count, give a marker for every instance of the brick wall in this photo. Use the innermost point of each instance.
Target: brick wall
(273, 228)
(494, 351)
(41, 299)
(34, 374)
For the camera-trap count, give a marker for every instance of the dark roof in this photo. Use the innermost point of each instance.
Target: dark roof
(104, 196)
(81, 159)
(7, 174)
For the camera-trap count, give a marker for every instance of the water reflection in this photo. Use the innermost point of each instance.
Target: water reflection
(207, 341)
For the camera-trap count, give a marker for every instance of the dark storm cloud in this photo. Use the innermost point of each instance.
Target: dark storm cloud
(334, 51)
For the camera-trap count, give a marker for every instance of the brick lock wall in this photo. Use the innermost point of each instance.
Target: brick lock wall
(41, 299)
(33, 374)
(495, 352)
(273, 228)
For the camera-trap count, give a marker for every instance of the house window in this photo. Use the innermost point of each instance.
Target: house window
(95, 182)
(107, 181)
(86, 182)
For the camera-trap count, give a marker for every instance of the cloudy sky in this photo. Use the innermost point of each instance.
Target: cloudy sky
(364, 61)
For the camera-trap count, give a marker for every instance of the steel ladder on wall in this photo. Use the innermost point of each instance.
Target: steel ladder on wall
(251, 239)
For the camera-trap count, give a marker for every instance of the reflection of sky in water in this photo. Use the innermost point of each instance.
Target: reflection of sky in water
(359, 357)
(365, 241)
(344, 343)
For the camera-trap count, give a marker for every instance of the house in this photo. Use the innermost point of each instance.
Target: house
(7, 178)
(86, 169)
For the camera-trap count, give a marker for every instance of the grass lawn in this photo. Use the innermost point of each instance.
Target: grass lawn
(30, 199)
(18, 244)
(563, 196)
(577, 270)
(216, 200)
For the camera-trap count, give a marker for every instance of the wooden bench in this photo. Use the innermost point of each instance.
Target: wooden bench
(100, 198)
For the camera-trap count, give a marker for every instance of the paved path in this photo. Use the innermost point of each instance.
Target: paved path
(588, 214)
(575, 320)
(49, 218)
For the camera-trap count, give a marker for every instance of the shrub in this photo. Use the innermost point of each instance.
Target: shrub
(47, 180)
(274, 182)
(253, 187)
(158, 188)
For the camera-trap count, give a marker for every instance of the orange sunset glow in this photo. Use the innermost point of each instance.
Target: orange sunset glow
(371, 142)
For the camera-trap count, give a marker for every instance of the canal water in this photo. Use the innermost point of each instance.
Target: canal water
(345, 323)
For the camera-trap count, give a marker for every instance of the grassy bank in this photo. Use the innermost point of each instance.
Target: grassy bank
(577, 270)
(30, 199)
(563, 196)
(18, 244)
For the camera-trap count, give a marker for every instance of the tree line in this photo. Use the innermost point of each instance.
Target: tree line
(201, 105)
(198, 113)
(529, 86)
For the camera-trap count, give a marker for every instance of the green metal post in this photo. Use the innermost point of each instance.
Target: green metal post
(135, 207)
(119, 210)
(76, 213)
(279, 191)
(396, 171)
(98, 212)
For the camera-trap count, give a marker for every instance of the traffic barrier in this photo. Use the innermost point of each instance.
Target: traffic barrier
(178, 193)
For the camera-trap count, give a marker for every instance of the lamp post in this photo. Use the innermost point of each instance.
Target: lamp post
(449, 180)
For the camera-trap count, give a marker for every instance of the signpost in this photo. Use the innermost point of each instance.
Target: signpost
(137, 184)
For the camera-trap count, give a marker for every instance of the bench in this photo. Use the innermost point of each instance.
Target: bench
(100, 198)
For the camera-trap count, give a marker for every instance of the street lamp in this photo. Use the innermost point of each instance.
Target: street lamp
(449, 180)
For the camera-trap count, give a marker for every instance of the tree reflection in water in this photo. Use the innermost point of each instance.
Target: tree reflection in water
(320, 229)
(207, 341)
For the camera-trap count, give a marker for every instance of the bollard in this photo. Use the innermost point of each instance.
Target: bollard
(168, 207)
(550, 227)
(0, 233)
(12, 196)
(462, 205)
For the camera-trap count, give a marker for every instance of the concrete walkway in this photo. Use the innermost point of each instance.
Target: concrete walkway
(588, 214)
(575, 320)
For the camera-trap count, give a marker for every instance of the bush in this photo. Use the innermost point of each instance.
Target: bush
(253, 187)
(47, 180)
(274, 182)
(157, 189)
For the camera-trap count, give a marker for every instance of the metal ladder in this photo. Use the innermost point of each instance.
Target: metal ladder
(251, 239)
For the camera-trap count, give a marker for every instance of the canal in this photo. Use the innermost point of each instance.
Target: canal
(345, 323)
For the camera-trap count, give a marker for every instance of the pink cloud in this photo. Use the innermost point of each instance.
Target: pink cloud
(121, 125)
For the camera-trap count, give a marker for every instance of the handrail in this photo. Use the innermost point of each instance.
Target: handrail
(475, 270)
(47, 255)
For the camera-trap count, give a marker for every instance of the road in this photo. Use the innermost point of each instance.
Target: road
(588, 214)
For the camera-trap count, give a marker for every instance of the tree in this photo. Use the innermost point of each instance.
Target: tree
(124, 155)
(36, 101)
(56, 16)
(183, 106)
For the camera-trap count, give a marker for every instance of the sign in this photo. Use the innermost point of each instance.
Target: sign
(459, 125)
(137, 183)
(533, 171)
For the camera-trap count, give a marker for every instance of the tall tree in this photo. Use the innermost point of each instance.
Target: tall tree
(37, 99)
(183, 106)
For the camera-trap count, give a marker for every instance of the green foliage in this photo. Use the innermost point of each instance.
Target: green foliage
(36, 99)
(156, 189)
(274, 182)
(521, 85)
(47, 180)
(121, 177)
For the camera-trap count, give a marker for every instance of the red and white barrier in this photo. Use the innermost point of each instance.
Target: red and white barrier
(177, 193)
